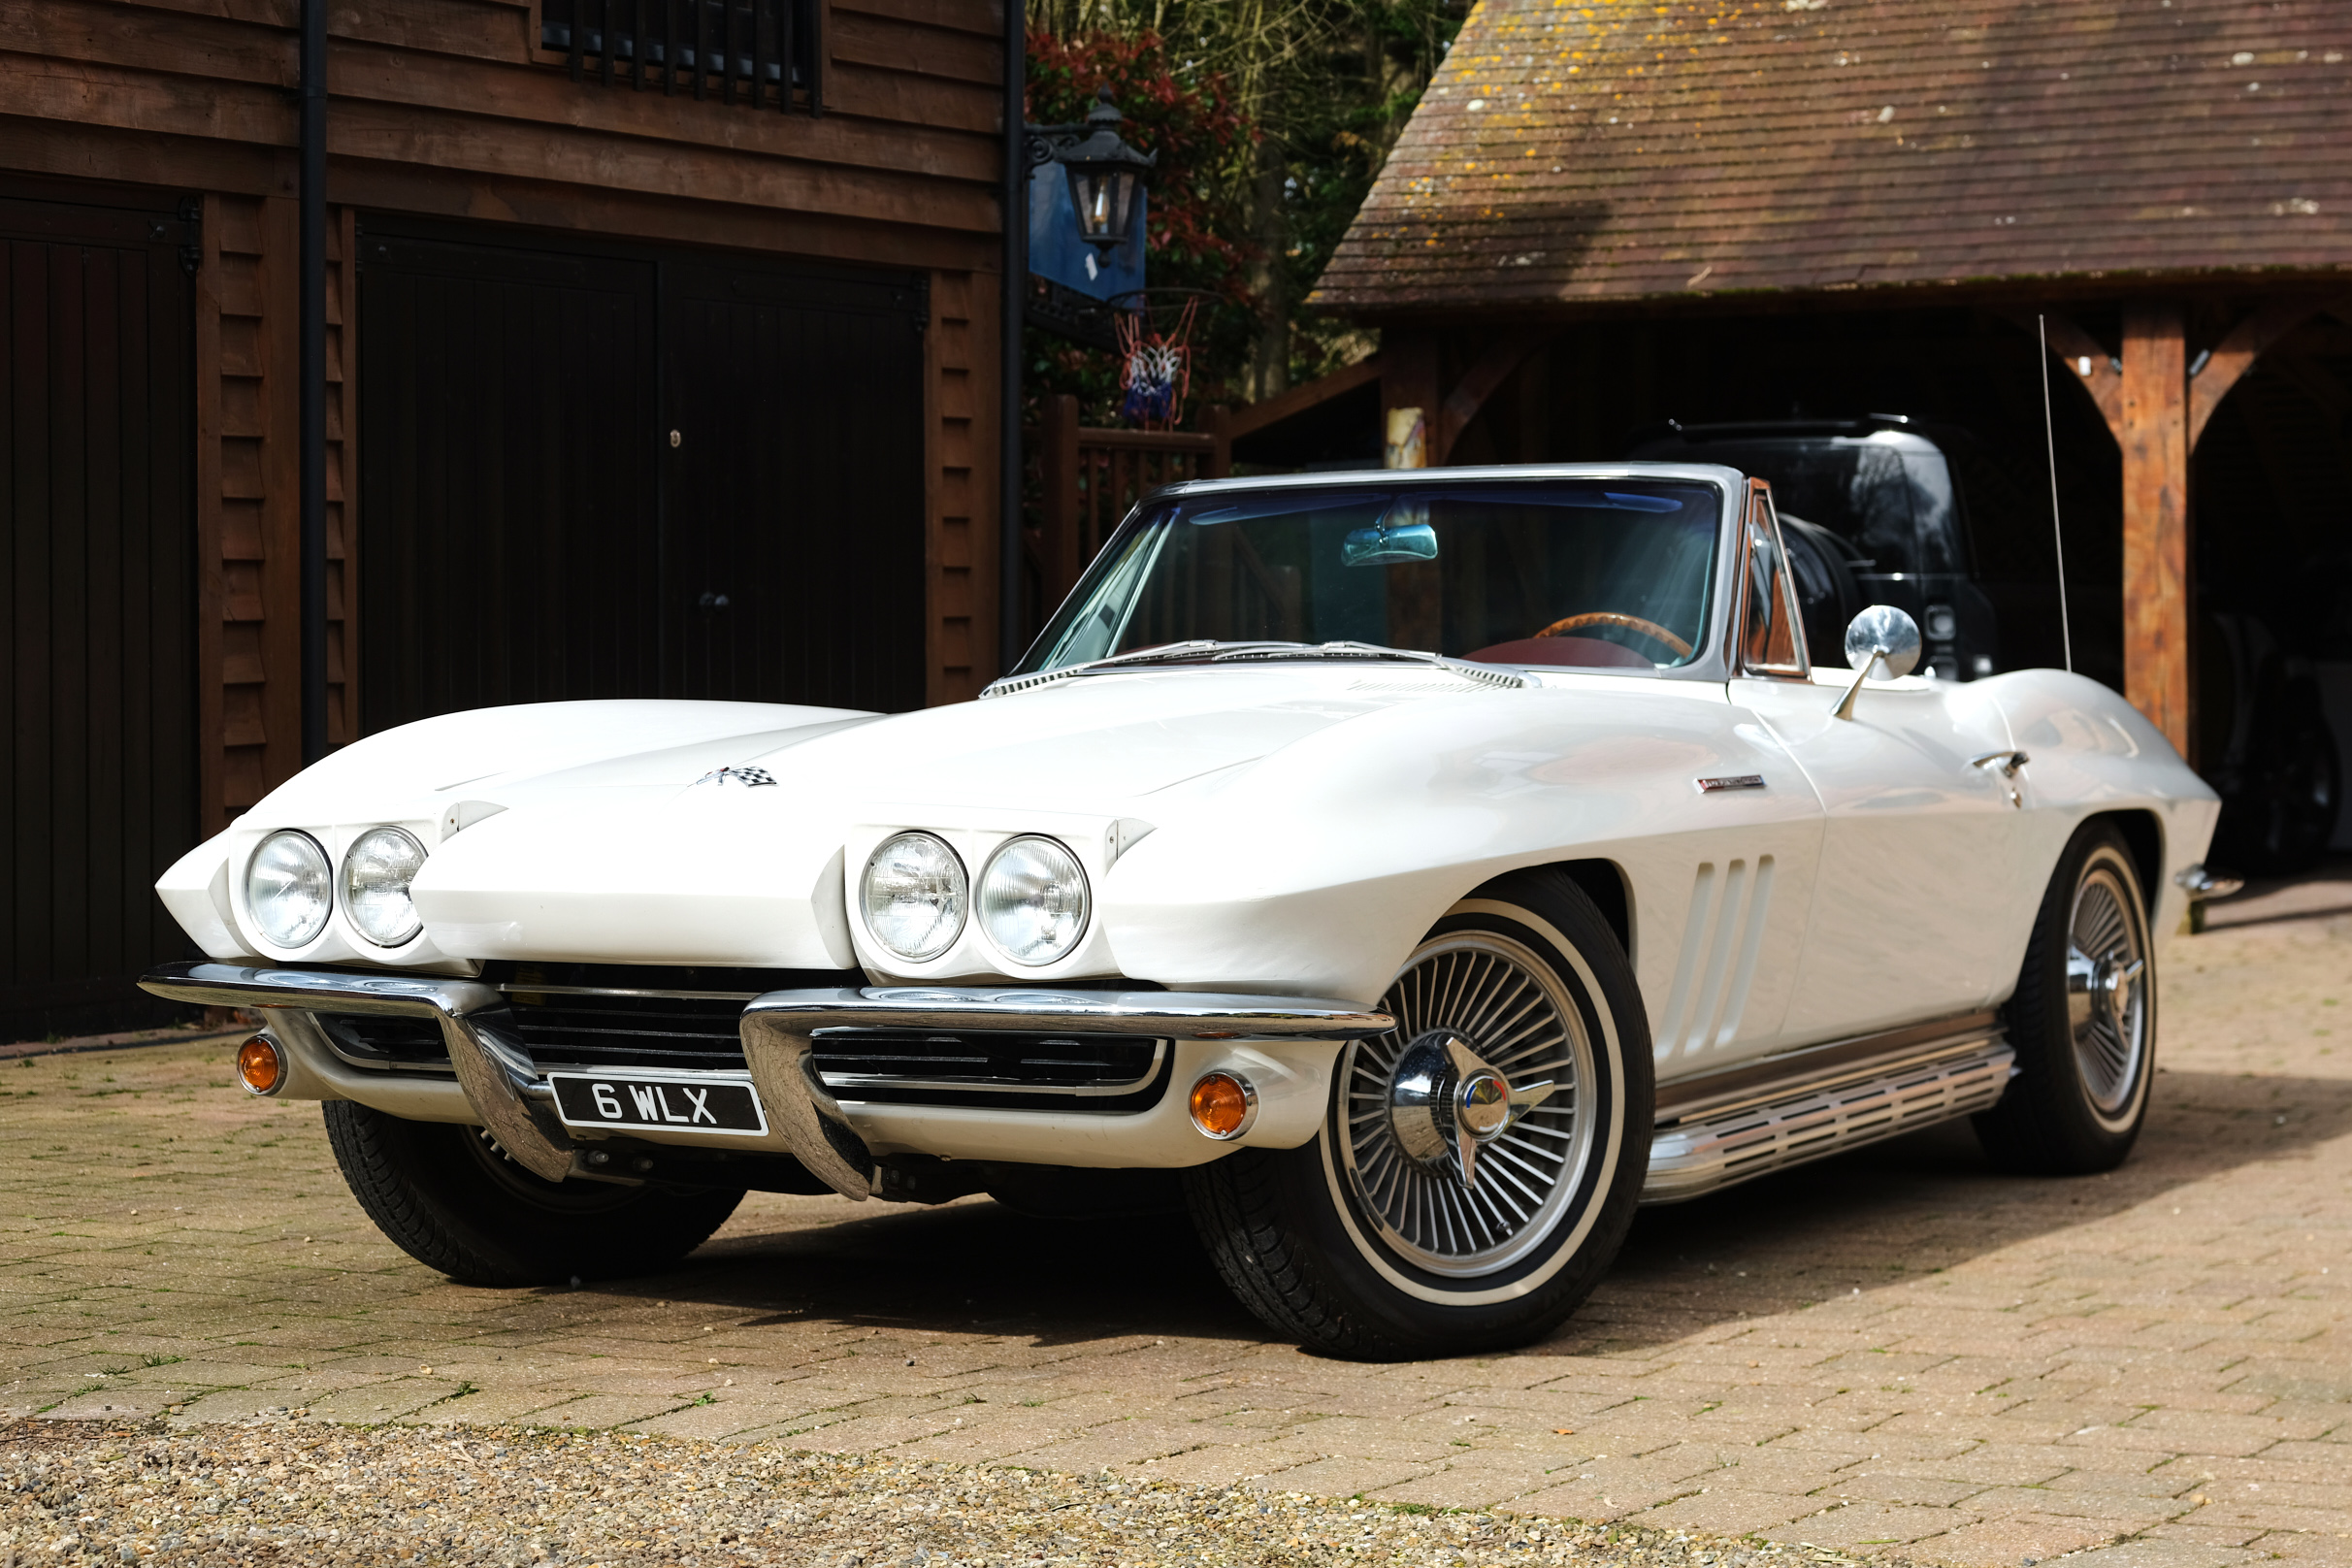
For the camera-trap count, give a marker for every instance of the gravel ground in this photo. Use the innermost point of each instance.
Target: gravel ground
(296, 1492)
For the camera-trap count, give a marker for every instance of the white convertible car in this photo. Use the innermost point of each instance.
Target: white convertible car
(1414, 872)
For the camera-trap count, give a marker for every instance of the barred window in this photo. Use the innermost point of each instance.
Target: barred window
(764, 53)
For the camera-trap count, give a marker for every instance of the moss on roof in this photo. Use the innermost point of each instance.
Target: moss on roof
(1586, 150)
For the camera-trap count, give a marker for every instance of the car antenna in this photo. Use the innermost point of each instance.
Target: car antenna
(2049, 440)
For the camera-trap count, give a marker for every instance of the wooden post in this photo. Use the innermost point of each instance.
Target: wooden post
(959, 486)
(1220, 462)
(1485, 376)
(278, 420)
(2157, 613)
(1058, 550)
(1408, 377)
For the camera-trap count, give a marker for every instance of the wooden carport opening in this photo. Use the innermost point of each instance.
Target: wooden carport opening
(2157, 401)
(1573, 167)
(2154, 394)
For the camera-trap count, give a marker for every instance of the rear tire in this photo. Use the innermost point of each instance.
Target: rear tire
(450, 1197)
(2083, 1021)
(2280, 819)
(1366, 1242)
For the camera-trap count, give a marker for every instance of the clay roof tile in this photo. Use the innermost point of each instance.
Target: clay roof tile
(1586, 150)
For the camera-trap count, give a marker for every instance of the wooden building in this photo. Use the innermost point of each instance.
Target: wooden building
(1602, 216)
(662, 351)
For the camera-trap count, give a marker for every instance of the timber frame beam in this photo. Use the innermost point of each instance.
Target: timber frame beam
(1481, 381)
(2157, 402)
(1253, 418)
(2235, 353)
(1410, 379)
(2157, 615)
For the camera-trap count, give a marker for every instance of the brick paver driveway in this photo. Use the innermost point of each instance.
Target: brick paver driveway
(1897, 1351)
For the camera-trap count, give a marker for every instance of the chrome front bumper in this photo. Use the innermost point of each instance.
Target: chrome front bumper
(512, 1098)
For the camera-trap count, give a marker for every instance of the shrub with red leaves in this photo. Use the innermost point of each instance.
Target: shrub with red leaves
(1196, 235)
(1186, 121)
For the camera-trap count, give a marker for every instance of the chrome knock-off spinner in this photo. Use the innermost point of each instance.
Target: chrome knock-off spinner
(1400, 1150)
(1445, 1101)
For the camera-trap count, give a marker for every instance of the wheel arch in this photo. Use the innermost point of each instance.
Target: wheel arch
(2143, 836)
(1602, 881)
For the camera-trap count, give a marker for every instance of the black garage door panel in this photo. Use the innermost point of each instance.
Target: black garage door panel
(507, 474)
(97, 668)
(793, 533)
(532, 531)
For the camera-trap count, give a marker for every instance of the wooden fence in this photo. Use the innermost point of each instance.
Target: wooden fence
(1088, 479)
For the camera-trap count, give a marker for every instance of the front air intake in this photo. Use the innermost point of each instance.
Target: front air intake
(1004, 1069)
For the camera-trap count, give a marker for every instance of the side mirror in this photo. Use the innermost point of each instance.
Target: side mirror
(1882, 640)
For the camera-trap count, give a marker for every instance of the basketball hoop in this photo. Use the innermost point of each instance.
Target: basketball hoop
(1155, 366)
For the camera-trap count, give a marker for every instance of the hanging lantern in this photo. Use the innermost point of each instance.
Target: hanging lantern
(1104, 174)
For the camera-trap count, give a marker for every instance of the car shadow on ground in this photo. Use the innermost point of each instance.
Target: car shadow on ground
(1909, 1207)
(972, 1268)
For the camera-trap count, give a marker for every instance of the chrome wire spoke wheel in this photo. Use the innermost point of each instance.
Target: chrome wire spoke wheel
(2108, 980)
(2082, 1018)
(1466, 1130)
(1478, 1166)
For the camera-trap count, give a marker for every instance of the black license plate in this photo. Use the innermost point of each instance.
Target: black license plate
(608, 1100)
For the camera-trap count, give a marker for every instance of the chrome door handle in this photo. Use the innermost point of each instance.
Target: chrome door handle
(2007, 764)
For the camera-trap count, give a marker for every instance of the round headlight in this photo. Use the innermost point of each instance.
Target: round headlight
(290, 888)
(1033, 901)
(377, 869)
(914, 894)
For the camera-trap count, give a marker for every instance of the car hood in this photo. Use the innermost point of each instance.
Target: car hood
(661, 856)
(1085, 742)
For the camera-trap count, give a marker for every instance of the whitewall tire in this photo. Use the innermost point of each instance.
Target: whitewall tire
(2082, 1019)
(1478, 1166)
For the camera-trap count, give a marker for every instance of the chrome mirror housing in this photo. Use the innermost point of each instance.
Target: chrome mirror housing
(1884, 641)
(1885, 637)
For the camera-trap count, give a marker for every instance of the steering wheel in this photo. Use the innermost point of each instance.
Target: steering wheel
(1631, 623)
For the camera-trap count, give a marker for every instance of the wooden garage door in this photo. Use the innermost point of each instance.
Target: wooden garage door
(609, 473)
(98, 792)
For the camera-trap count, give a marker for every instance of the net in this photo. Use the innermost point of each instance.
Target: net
(1156, 364)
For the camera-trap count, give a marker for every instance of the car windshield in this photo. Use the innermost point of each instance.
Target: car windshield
(1603, 574)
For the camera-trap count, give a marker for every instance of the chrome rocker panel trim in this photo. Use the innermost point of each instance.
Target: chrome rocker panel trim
(1716, 1133)
(780, 1028)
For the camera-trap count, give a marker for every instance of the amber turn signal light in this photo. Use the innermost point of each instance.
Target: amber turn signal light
(1223, 1105)
(261, 1065)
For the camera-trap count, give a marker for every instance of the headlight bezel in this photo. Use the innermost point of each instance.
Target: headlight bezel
(352, 898)
(1037, 957)
(290, 937)
(946, 932)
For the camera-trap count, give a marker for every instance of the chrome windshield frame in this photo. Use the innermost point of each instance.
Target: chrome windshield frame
(1716, 661)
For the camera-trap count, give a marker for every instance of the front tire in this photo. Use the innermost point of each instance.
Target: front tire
(450, 1197)
(2083, 1021)
(1368, 1242)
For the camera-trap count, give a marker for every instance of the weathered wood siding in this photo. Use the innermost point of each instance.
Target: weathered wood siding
(450, 108)
(247, 511)
(959, 556)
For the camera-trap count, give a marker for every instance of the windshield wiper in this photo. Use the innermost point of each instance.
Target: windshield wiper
(1211, 651)
(1485, 675)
